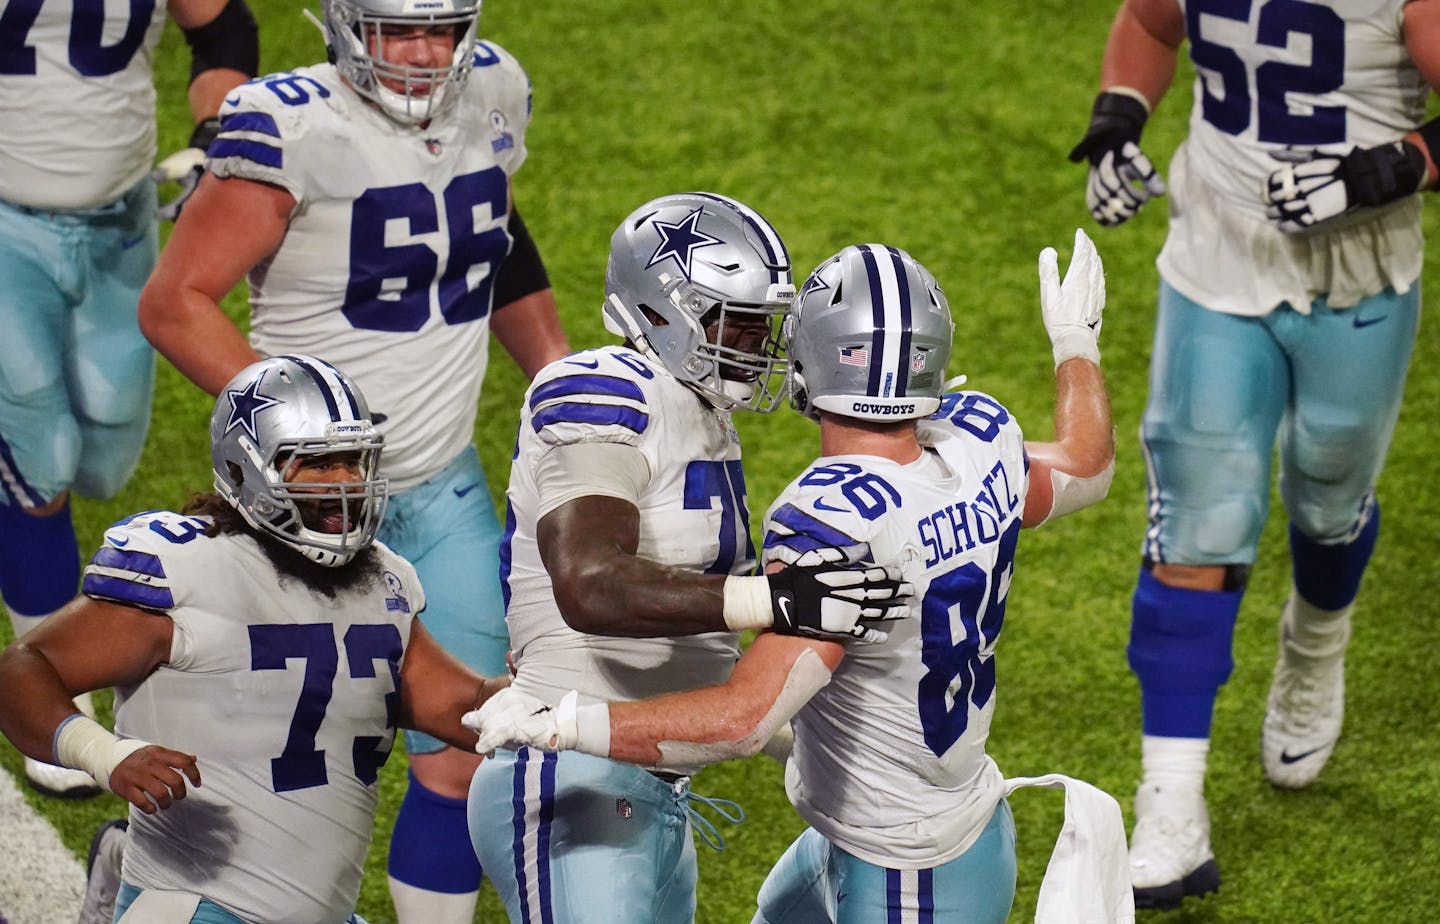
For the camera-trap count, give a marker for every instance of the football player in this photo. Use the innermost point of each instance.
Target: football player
(272, 645)
(78, 237)
(907, 813)
(629, 564)
(1288, 306)
(370, 203)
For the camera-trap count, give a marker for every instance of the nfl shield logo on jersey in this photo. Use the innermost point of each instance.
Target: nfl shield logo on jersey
(623, 808)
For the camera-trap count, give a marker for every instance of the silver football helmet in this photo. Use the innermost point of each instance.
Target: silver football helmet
(355, 33)
(869, 337)
(268, 421)
(703, 283)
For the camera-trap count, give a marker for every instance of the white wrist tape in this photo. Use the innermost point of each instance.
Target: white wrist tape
(582, 728)
(747, 603)
(1133, 93)
(81, 743)
(1077, 341)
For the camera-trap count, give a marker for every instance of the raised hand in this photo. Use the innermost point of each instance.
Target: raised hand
(1072, 309)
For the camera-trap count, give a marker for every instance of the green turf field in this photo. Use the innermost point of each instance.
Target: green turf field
(942, 128)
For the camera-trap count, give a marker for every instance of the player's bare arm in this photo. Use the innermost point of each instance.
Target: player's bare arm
(1074, 470)
(436, 689)
(91, 645)
(1142, 48)
(228, 226)
(224, 46)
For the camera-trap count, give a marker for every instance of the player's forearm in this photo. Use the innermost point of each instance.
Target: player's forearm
(189, 329)
(1143, 47)
(1083, 426)
(33, 701)
(613, 593)
(209, 89)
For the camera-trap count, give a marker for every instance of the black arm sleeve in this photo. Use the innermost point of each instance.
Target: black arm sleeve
(231, 40)
(523, 272)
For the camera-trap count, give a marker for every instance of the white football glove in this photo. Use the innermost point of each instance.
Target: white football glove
(1300, 195)
(185, 167)
(511, 719)
(1072, 310)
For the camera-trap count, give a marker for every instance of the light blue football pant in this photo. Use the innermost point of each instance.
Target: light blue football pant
(1223, 386)
(75, 372)
(816, 882)
(573, 839)
(448, 530)
(207, 913)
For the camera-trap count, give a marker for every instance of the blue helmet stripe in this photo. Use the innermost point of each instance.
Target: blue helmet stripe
(877, 319)
(775, 252)
(319, 378)
(906, 323)
(133, 593)
(599, 385)
(342, 384)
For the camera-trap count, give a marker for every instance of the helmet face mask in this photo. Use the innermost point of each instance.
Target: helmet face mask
(357, 32)
(295, 452)
(703, 284)
(844, 361)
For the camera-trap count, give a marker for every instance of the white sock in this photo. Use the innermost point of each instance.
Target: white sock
(1311, 632)
(23, 625)
(1174, 763)
(421, 906)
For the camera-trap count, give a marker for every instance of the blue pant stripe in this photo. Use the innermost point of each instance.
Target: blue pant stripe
(542, 846)
(892, 896)
(518, 800)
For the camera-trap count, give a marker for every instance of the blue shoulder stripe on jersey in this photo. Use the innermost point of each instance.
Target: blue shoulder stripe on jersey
(121, 560)
(607, 385)
(600, 414)
(260, 122)
(134, 593)
(809, 533)
(265, 155)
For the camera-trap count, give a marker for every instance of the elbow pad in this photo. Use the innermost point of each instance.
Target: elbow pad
(1070, 493)
(807, 675)
(231, 41)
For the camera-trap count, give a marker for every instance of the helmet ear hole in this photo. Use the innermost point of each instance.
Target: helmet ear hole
(237, 474)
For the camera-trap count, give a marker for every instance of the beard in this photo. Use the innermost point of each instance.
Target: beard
(290, 565)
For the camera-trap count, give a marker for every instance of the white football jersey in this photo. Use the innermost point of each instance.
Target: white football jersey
(78, 101)
(693, 514)
(287, 699)
(388, 265)
(1277, 80)
(889, 760)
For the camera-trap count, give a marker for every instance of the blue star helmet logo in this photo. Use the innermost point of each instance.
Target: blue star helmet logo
(244, 405)
(680, 241)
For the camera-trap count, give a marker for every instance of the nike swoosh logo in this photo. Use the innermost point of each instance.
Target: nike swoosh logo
(233, 100)
(1287, 758)
(821, 505)
(784, 604)
(126, 245)
(120, 542)
(1366, 322)
(592, 364)
(461, 492)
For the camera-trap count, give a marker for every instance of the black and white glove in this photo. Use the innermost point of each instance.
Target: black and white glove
(512, 720)
(821, 595)
(185, 167)
(1300, 195)
(1121, 177)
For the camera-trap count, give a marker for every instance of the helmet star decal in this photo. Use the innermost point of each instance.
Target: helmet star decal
(244, 405)
(680, 241)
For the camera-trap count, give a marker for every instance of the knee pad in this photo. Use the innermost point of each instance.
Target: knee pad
(1327, 575)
